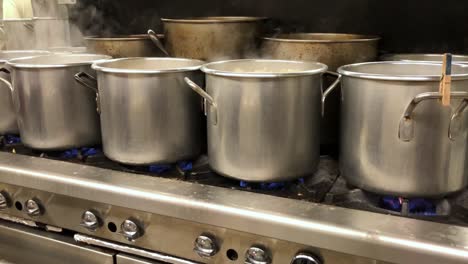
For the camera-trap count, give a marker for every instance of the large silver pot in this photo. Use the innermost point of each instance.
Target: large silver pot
(212, 38)
(53, 111)
(423, 57)
(263, 118)
(148, 114)
(332, 49)
(8, 124)
(396, 137)
(51, 32)
(19, 34)
(123, 46)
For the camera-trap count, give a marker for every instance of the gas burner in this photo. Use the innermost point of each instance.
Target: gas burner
(9, 140)
(416, 206)
(74, 154)
(12, 144)
(181, 168)
(450, 210)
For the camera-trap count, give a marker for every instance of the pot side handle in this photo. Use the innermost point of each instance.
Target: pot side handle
(154, 37)
(456, 121)
(5, 81)
(330, 88)
(207, 98)
(406, 126)
(80, 78)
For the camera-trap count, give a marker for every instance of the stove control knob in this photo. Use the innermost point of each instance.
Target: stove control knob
(90, 220)
(205, 246)
(4, 200)
(257, 255)
(306, 258)
(130, 229)
(33, 207)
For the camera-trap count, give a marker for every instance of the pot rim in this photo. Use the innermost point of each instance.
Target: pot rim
(214, 19)
(50, 18)
(26, 52)
(359, 38)
(206, 69)
(17, 20)
(388, 57)
(120, 37)
(346, 71)
(17, 63)
(96, 66)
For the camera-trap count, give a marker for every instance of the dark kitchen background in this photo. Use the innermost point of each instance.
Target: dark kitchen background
(404, 25)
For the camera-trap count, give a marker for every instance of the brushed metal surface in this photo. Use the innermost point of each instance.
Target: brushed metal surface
(359, 233)
(267, 118)
(129, 249)
(51, 32)
(332, 49)
(25, 245)
(165, 238)
(213, 38)
(53, 110)
(128, 259)
(123, 46)
(19, 34)
(373, 158)
(148, 113)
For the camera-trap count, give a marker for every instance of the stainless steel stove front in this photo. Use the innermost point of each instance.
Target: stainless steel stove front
(208, 224)
(21, 244)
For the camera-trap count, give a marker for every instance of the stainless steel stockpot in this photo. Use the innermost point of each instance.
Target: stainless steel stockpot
(54, 112)
(263, 118)
(8, 123)
(332, 49)
(423, 57)
(51, 32)
(211, 38)
(396, 137)
(148, 114)
(123, 46)
(19, 34)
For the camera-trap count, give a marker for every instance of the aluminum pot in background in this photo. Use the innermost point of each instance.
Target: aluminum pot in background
(332, 49)
(48, 8)
(212, 38)
(68, 49)
(8, 124)
(423, 57)
(51, 32)
(396, 137)
(54, 112)
(19, 34)
(148, 113)
(263, 118)
(123, 46)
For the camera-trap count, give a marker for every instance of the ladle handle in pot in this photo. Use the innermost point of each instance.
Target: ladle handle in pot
(406, 127)
(154, 37)
(207, 98)
(330, 88)
(80, 78)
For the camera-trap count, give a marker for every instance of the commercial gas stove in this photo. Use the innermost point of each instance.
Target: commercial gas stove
(79, 206)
